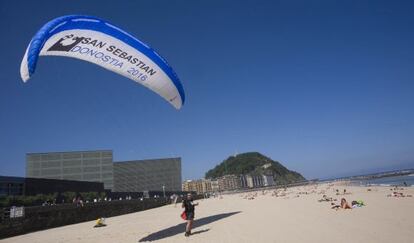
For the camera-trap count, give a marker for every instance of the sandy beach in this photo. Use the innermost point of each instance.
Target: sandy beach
(294, 215)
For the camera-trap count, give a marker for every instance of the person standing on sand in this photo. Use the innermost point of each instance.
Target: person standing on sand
(189, 205)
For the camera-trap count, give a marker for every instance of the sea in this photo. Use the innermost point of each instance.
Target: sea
(388, 181)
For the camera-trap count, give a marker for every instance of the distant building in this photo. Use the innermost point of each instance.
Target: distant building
(192, 185)
(206, 186)
(243, 181)
(148, 175)
(265, 166)
(268, 180)
(98, 166)
(187, 186)
(12, 186)
(20, 186)
(229, 182)
(215, 186)
(252, 181)
(95, 166)
(201, 186)
(258, 181)
(249, 180)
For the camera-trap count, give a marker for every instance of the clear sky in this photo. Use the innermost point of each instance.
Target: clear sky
(325, 87)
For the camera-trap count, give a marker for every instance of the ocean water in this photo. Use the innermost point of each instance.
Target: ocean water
(390, 181)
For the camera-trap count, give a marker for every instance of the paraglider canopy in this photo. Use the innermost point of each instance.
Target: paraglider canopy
(97, 41)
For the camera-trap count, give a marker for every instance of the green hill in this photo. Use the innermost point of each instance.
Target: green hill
(254, 163)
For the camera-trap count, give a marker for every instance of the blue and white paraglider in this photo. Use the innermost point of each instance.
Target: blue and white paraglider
(97, 41)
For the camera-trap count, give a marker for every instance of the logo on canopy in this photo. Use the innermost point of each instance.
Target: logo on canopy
(66, 43)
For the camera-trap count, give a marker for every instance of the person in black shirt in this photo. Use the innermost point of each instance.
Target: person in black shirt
(189, 205)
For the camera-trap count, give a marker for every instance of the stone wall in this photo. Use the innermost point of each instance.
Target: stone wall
(44, 217)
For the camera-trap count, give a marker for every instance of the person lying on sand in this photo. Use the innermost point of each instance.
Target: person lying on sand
(326, 199)
(398, 194)
(321, 192)
(344, 205)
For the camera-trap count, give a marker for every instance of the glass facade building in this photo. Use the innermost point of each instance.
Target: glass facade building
(95, 166)
(11, 186)
(98, 166)
(148, 175)
(20, 186)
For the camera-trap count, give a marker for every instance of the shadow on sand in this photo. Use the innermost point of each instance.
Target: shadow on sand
(180, 228)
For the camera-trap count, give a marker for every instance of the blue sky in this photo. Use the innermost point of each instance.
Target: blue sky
(325, 87)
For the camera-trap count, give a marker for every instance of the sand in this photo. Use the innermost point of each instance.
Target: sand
(294, 217)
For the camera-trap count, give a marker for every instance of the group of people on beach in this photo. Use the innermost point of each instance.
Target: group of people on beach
(189, 205)
(397, 192)
(344, 204)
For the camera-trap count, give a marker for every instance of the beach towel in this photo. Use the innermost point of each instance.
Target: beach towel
(361, 203)
(358, 203)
